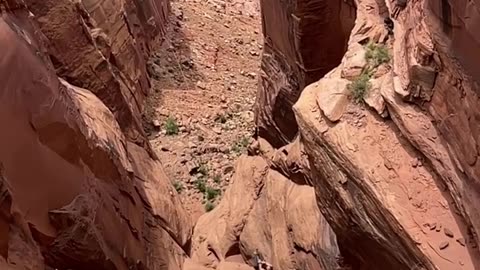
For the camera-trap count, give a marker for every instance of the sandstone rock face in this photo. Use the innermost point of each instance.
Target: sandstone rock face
(101, 46)
(76, 191)
(303, 41)
(263, 210)
(389, 188)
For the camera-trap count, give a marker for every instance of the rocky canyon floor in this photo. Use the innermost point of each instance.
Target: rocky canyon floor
(200, 116)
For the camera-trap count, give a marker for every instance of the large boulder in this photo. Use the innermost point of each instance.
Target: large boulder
(263, 210)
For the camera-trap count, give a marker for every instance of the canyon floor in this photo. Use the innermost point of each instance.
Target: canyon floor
(200, 115)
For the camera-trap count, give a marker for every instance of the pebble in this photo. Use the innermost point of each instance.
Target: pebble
(201, 85)
(448, 232)
(415, 162)
(252, 75)
(461, 241)
(439, 228)
(443, 245)
(433, 226)
(217, 130)
(156, 123)
(165, 149)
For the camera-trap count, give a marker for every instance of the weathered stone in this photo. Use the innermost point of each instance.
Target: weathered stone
(332, 96)
(263, 210)
(374, 98)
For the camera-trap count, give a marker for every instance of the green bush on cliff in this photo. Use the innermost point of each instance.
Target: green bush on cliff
(376, 54)
(360, 86)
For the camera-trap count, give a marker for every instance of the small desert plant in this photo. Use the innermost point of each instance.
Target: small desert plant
(240, 145)
(209, 206)
(178, 186)
(171, 126)
(212, 193)
(377, 54)
(201, 185)
(360, 86)
(217, 179)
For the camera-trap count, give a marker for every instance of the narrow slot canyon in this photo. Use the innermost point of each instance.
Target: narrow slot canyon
(239, 135)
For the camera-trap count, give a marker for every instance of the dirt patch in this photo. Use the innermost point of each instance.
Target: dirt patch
(200, 115)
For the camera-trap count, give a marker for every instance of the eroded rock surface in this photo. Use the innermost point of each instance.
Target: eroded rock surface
(263, 210)
(77, 191)
(389, 188)
(294, 32)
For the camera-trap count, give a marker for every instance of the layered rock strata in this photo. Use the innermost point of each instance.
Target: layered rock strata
(78, 190)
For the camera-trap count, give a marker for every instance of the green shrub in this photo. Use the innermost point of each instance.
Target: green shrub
(240, 145)
(171, 126)
(377, 54)
(360, 86)
(212, 193)
(217, 179)
(201, 185)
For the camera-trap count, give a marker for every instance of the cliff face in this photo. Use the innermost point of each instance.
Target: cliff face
(388, 182)
(303, 41)
(101, 46)
(79, 186)
(396, 175)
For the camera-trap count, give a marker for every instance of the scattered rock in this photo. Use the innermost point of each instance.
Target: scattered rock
(439, 228)
(156, 123)
(201, 85)
(433, 226)
(165, 148)
(448, 232)
(251, 75)
(217, 130)
(332, 97)
(461, 241)
(443, 245)
(415, 162)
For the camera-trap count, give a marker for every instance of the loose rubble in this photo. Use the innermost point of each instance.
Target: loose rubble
(205, 78)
